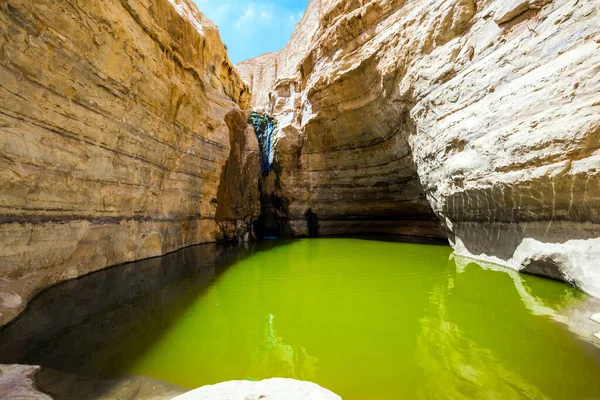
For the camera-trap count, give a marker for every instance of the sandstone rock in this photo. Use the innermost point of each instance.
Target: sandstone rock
(269, 389)
(238, 198)
(513, 8)
(400, 108)
(113, 136)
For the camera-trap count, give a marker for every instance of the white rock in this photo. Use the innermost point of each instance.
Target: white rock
(596, 318)
(17, 382)
(269, 389)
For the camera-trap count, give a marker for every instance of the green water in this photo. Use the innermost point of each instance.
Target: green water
(377, 320)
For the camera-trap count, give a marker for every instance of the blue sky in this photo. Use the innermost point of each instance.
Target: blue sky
(251, 28)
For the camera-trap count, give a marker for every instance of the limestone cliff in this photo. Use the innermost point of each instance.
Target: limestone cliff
(115, 130)
(343, 157)
(484, 112)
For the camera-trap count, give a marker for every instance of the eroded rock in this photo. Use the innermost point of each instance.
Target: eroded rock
(113, 136)
(513, 8)
(399, 108)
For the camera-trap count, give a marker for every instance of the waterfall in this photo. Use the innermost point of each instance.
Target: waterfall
(264, 127)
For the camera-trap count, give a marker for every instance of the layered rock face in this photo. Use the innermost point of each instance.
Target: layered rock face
(508, 147)
(343, 162)
(117, 121)
(486, 113)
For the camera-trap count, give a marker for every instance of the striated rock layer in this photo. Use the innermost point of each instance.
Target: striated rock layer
(343, 160)
(486, 113)
(117, 121)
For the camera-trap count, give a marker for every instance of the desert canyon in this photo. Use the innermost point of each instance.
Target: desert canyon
(127, 133)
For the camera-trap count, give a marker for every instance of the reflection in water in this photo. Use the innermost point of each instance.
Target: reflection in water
(272, 357)
(468, 363)
(563, 303)
(457, 367)
(85, 325)
(366, 319)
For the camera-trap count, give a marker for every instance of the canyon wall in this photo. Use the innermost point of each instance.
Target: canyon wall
(482, 113)
(117, 122)
(342, 152)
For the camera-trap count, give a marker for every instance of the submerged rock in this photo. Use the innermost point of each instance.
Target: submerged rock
(513, 8)
(269, 389)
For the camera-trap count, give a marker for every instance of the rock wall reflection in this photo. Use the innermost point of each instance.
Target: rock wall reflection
(462, 359)
(100, 323)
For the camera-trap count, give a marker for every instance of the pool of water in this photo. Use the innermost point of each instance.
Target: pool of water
(367, 319)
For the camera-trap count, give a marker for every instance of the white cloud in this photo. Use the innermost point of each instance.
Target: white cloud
(255, 14)
(266, 16)
(245, 20)
(252, 27)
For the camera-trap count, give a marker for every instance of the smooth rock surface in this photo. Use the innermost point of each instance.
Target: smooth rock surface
(17, 382)
(113, 137)
(268, 389)
(487, 113)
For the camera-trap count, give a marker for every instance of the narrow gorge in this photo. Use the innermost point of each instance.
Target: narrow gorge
(128, 137)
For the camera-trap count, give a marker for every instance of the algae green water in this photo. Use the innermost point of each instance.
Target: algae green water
(366, 319)
(377, 320)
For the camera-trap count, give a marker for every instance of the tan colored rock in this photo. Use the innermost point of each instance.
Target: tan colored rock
(496, 125)
(342, 150)
(238, 198)
(513, 8)
(113, 136)
(260, 73)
